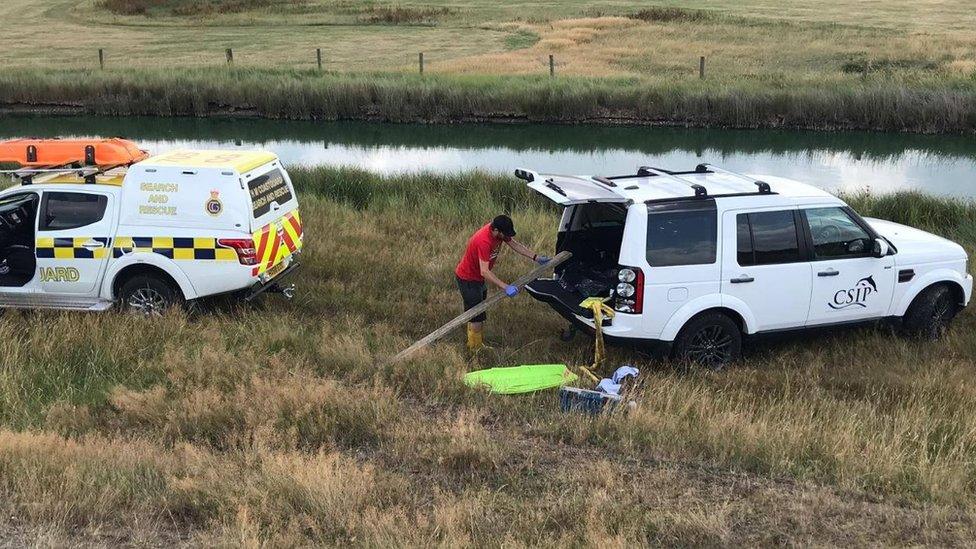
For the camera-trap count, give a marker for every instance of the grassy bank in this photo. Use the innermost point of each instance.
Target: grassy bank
(284, 424)
(871, 103)
(902, 65)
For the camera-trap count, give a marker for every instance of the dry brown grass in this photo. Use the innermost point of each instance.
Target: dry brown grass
(285, 425)
(759, 40)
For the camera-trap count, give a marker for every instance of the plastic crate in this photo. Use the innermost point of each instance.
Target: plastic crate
(584, 400)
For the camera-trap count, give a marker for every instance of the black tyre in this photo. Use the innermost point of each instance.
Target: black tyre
(929, 315)
(148, 295)
(711, 340)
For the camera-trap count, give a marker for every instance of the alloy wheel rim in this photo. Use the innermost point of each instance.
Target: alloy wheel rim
(147, 301)
(711, 346)
(940, 315)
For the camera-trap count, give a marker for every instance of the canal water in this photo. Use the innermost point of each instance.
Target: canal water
(842, 161)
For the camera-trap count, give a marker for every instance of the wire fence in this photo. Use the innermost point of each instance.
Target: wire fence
(229, 55)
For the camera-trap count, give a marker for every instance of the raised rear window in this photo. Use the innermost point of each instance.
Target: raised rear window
(268, 188)
(682, 233)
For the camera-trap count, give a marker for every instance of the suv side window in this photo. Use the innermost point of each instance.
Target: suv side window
(836, 235)
(66, 210)
(682, 234)
(767, 238)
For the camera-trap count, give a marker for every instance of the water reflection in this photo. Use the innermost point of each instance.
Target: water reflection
(847, 161)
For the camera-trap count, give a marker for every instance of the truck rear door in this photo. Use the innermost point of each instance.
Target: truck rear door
(275, 221)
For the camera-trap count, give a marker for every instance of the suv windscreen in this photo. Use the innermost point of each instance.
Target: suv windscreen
(684, 233)
(63, 210)
(767, 238)
(836, 235)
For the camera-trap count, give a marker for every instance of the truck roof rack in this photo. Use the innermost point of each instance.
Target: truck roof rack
(86, 158)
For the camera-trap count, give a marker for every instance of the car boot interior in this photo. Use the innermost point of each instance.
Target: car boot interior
(593, 233)
(17, 259)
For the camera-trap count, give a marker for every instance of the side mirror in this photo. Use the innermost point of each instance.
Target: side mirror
(881, 248)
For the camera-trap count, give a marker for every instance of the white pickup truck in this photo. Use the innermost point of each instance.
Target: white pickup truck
(694, 261)
(147, 235)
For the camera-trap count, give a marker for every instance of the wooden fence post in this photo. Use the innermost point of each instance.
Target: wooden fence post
(421, 61)
(318, 57)
(701, 67)
(101, 58)
(552, 66)
(230, 56)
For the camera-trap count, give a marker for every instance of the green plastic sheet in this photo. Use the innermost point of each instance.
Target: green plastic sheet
(521, 379)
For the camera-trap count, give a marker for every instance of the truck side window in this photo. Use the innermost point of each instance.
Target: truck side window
(682, 235)
(836, 235)
(772, 238)
(64, 210)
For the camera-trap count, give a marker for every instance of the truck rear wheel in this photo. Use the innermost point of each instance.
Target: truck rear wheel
(929, 315)
(712, 340)
(148, 295)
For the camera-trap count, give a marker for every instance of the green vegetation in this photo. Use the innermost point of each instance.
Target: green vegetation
(902, 65)
(285, 424)
(869, 103)
(185, 7)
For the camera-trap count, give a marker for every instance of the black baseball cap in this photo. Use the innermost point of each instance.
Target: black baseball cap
(504, 224)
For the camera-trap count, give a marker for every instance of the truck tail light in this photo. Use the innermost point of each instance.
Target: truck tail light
(247, 254)
(629, 292)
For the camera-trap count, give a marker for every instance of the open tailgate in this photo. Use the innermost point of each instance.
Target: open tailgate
(567, 190)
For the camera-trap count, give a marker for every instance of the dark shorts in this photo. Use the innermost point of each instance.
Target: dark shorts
(472, 294)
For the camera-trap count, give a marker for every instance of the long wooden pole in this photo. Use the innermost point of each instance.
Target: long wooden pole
(492, 300)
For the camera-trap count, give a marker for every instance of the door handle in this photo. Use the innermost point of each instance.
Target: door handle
(93, 244)
(742, 280)
(830, 272)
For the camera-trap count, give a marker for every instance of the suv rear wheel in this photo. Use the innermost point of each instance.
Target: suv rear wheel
(148, 295)
(711, 340)
(930, 314)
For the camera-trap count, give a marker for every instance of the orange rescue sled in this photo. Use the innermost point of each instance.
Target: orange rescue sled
(34, 153)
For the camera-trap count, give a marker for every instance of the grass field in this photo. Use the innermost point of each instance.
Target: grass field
(833, 64)
(286, 425)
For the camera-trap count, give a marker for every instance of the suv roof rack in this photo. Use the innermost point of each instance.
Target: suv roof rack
(763, 186)
(700, 191)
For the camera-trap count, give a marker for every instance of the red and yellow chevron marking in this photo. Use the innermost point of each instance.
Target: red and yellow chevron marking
(276, 241)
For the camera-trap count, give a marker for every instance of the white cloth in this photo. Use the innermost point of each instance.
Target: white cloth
(611, 385)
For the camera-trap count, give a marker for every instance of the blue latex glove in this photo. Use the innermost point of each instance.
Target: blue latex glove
(542, 259)
(511, 291)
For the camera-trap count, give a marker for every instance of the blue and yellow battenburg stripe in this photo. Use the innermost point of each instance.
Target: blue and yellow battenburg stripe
(195, 248)
(72, 248)
(178, 248)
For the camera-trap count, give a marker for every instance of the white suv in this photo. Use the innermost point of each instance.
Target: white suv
(694, 261)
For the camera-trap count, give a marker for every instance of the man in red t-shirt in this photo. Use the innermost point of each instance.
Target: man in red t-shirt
(476, 267)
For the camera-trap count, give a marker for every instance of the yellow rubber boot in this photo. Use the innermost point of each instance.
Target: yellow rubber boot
(475, 340)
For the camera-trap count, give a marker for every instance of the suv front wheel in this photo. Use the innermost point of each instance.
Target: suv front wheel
(929, 315)
(710, 339)
(148, 295)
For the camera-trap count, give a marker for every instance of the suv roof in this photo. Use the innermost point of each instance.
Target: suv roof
(654, 184)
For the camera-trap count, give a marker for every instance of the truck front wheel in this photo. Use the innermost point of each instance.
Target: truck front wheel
(148, 295)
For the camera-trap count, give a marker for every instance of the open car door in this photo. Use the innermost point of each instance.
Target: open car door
(567, 190)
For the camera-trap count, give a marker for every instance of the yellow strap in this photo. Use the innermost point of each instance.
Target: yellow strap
(600, 309)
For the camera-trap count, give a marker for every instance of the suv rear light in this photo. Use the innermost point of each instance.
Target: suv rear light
(247, 254)
(629, 292)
